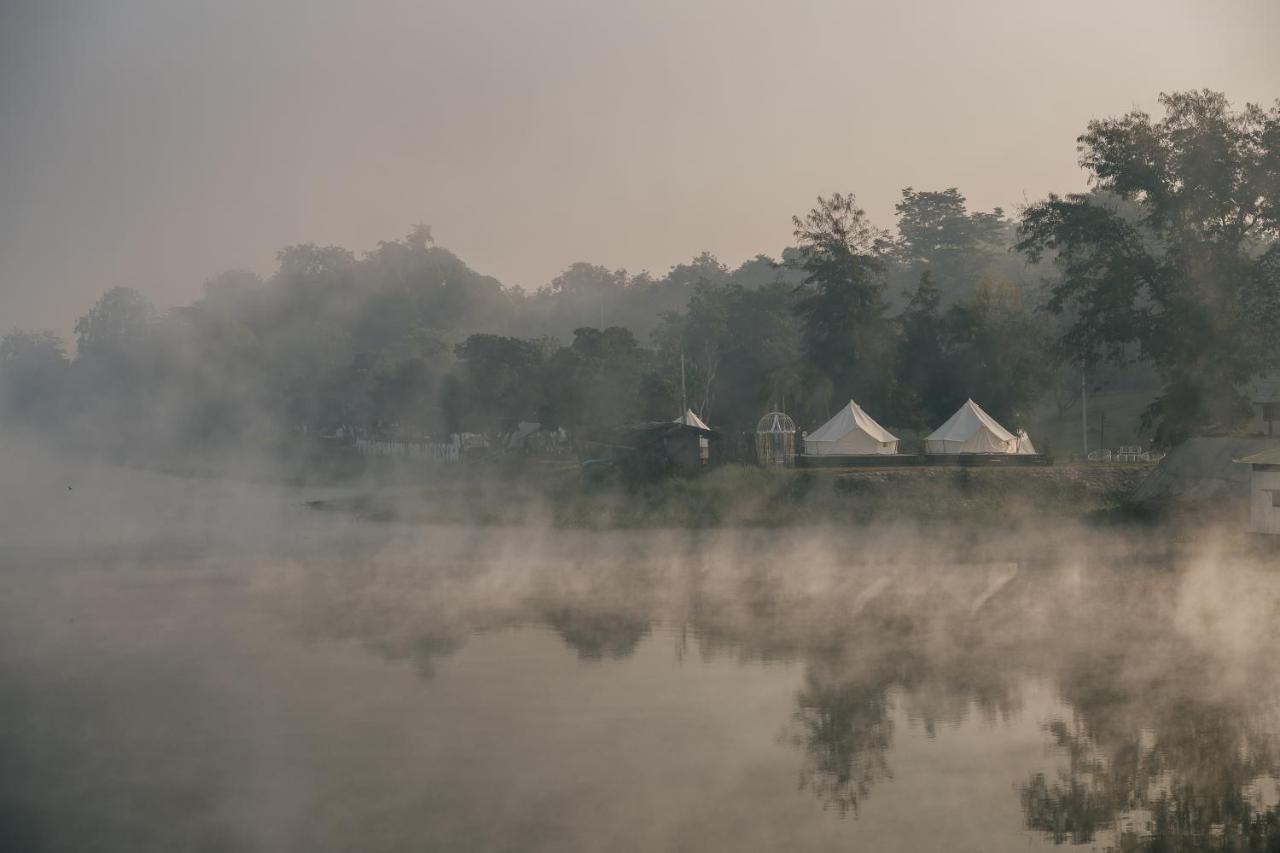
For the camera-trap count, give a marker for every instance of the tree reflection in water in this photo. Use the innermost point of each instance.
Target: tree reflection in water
(920, 653)
(1160, 762)
(596, 635)
(1187, 791)
(845, 732)
(1168, 676)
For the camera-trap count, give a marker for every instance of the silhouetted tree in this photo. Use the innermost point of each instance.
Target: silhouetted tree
(937, 234)
(847, 344)
(33, 374)
(997, 351)
(499, 382)
(924, 368)
(597, 380)
(113, 327)
(1191, 277)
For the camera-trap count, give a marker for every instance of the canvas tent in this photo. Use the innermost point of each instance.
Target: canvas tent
(690, 419)
(971, 430)
(852, 432)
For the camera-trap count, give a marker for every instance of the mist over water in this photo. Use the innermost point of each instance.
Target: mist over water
(209, 665)
(342, 507)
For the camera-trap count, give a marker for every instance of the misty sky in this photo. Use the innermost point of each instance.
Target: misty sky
(154, 143)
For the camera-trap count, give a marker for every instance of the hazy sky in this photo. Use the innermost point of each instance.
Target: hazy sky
(154, 143)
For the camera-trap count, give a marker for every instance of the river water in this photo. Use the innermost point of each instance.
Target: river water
(196, 665)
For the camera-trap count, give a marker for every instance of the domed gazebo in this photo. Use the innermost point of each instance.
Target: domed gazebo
(776, 439)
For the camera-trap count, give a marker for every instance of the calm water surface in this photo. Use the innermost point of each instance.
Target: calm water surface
(201, 666)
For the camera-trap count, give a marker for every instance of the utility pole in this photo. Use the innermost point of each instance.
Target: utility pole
(684, 398)
(1084, 413)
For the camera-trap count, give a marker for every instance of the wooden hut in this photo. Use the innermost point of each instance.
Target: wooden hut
(653, 449)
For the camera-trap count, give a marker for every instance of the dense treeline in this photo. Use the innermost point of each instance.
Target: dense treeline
(409, 340)
(1170, 260)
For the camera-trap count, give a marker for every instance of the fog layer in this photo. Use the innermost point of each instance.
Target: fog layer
(214, 666)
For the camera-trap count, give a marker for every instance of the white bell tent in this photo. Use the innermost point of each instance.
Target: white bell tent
(971, 430)
(691, 419)
(852, 432)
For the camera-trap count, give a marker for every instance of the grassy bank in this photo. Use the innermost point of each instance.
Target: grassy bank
(518, 491)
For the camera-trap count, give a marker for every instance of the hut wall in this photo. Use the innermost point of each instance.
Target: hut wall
(685, 451)
(1264, 499)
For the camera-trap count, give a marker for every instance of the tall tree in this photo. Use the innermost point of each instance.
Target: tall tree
(761, 368)
(932, 224)
(696, 340)
(598, 380)
(997, 351)
(848, 345)
(583, 295)
(938, 234)
(498, 384)
(116, 358)
(33, 371)
(113, 324)
(1190, 278)
(924, 364)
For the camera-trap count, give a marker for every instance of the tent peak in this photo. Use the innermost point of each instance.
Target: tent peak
(851, 419)
(690, 418)
(964, 432)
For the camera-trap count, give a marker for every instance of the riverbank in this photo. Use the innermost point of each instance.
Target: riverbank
(513, 492)
(509, 489)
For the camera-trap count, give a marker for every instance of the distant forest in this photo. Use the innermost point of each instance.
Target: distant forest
(1170, 261)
